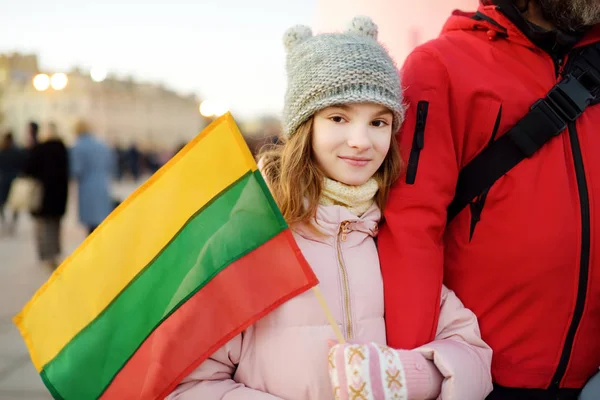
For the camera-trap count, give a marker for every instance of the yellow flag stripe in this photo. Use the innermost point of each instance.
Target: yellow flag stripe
(105, 264)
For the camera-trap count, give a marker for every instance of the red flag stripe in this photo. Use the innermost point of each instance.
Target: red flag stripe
(212, 317)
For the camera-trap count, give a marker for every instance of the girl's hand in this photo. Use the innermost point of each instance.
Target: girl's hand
(367, 372)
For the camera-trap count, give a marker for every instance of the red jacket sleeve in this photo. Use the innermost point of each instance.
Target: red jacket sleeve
(410, 241)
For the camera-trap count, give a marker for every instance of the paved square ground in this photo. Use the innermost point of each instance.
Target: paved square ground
(20, 276)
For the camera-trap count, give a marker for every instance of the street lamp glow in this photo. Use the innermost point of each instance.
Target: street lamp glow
(220, 109)
(41, 82)
(211, 108)
(206, 108)
(98, 74)
(59, 81)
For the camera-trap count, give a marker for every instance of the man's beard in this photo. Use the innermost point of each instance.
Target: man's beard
(571, 15)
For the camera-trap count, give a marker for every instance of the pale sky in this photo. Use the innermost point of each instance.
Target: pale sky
(228, 50)
(225, 50)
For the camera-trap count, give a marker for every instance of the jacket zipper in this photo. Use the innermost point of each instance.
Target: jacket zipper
(342, 235)
(418, 142)
(557, 65)
(584, 266)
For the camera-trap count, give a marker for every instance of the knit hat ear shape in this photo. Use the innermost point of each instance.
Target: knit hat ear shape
(296, 35)
(362, 25)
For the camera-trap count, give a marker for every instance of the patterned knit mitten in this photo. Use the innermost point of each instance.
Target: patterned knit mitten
(366, 372)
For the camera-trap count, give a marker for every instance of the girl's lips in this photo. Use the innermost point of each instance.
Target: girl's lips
(356, 161)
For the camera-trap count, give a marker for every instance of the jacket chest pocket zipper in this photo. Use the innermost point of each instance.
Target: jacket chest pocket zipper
(418, 142)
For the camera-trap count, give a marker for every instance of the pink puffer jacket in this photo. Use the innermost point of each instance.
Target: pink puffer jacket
(284, 355)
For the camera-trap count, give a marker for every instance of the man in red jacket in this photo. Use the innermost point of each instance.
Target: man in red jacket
(524, 252)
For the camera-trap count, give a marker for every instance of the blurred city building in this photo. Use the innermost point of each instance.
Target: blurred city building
(261, 131)
(122, 112)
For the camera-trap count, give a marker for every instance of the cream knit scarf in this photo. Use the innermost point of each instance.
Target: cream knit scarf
(357, 199)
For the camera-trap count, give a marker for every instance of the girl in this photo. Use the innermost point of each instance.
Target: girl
(330, 179)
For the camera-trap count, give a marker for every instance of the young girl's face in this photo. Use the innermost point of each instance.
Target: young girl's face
(351, 141)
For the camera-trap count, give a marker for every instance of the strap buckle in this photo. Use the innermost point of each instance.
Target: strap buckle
(568, 98)
(548, 117)
(587, 71)
(540, 125)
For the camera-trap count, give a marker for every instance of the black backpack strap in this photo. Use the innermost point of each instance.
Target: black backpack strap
(547, 118)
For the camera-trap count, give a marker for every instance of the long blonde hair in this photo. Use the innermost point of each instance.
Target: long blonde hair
(295, 178)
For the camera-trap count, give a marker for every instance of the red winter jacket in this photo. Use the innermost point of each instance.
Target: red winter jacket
(526, 257)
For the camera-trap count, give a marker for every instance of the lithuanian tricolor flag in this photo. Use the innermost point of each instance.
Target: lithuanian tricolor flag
(192, 258)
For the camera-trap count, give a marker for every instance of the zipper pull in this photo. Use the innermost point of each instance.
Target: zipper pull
(344, 230)
(561, 64)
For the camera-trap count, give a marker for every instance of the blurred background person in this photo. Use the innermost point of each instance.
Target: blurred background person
(93, 165)
(48, 163)
(32, 134)
(151, 160)
(134, 161)
(11, 163)
(121, 155)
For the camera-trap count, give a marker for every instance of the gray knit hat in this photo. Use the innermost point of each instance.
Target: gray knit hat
(338, 68)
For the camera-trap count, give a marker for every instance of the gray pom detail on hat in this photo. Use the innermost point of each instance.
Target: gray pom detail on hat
(362, 25)
(296, 35)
